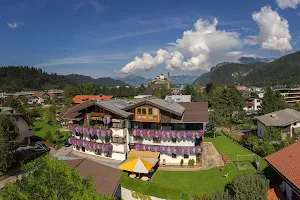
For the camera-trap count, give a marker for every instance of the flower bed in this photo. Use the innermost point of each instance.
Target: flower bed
(91, 145)
(168, 134)
(168, 149)
(100, 132)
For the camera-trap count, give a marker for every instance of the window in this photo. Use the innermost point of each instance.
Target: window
(295, 123)
(83, 149)
(107, 139)
(144, 111)
(150, 111)
(137, 138)
(96, 137)
(173, 155)
(115, 140)
(155, 111)
(185, 156)
(156, 140)
(139, 111)
(174, 140)
(120, 140)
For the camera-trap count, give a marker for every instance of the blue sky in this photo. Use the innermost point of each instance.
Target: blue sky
(102, 38)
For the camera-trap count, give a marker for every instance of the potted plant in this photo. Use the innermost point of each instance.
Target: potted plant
(181, 162)
(192, 162)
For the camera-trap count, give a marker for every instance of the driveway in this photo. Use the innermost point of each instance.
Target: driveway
(64, 151)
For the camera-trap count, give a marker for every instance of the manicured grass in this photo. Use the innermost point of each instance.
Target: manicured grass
(172, 184)
(41, 128)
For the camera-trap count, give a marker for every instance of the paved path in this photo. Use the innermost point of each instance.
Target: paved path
(210, 157)
(64, 151)
(11, 178)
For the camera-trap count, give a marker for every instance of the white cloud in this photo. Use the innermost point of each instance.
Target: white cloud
(93, 59)
(15, 24)
(198, 48)
(283, 4)
(94, 3)
(273, 31)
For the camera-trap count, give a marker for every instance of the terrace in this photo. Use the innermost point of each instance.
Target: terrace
(172, 184)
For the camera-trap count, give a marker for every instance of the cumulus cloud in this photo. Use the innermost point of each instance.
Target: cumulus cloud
(15, 24)
(198, 49)
(283, 4)
(273, 31)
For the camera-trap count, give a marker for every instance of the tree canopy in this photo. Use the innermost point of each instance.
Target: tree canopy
(271, 102)
(9, 142)
(51, 179)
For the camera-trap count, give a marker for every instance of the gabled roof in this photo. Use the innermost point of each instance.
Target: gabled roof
(106, 178)
(280, 118)
(173, 108)
(82, 98)
(114, 109)
(194, 112)
(287, 163)
(73, 112)
(147, 91)
(106, 97)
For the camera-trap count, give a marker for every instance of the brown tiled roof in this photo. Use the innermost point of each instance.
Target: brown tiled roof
(194, 112)
(39, 94)
(105, 178)
(287, 163)
(82, 98)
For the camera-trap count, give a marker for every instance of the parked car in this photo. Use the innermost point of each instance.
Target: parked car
(42, 145)
(66, 143)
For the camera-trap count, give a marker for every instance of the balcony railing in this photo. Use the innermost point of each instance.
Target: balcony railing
(168, 134)
(100, 132)
(91, 145)
(169, 149)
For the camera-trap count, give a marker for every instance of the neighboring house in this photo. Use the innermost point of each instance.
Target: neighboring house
(22, 123)
(82, 98)
(105, 177)
(286, 164)
(252, 104)
(110, 129)
(177, 91)
(288, 120)
(3, 95)
(148, 92)
(38, 98)
(290, 95)
(178, 98)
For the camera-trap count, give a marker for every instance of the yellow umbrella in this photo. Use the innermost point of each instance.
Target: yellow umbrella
(138, 165)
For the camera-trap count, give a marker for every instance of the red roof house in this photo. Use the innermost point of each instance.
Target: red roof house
(286, 163)
(82, 98)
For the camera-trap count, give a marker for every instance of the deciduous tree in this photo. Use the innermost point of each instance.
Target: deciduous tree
(51, 179)
(9, 142)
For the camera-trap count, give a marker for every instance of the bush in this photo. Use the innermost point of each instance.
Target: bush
(191, 162)
(181, 162)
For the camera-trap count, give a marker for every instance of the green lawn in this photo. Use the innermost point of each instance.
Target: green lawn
(171, 184)
(41, 128)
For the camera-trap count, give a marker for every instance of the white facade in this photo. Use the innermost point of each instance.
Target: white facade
(169, 160)
(119, 150)
(126, 194)
(287, 129)
(25, 131)
(141, 96)
(253, 105)
(35, 100)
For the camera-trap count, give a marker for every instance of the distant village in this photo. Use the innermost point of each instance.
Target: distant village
(152, 141)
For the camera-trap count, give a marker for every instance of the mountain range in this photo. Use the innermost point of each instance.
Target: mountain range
(282, 71)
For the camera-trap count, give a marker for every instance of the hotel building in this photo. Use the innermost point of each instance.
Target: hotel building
(112, 128)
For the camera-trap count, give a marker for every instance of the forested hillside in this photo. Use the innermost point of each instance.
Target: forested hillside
(105, 81)
(283, 71)
(18, 78)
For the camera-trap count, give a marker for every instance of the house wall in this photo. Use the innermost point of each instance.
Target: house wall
(260, 129)
(257, 104)
(115, 155)
(23, 128)
(294, 125)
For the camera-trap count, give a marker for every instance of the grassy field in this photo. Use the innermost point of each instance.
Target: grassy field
(172, 184)
(41, 128)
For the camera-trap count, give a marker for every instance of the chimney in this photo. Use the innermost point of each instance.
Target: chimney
(169, 83)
